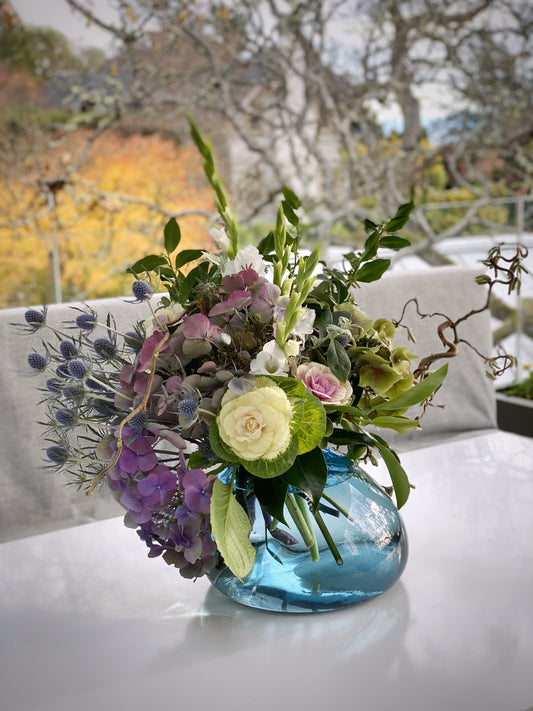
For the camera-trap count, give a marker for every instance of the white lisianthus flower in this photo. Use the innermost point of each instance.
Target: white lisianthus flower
(247, 258)
(292, 347)
(256, 425)
(304, 327)
(169, 315)
(221, 239)
(270, 361)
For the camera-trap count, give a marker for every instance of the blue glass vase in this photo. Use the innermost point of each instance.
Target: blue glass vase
(371, 541)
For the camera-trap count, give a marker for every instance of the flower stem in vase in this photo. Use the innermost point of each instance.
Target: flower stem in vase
(300, 516)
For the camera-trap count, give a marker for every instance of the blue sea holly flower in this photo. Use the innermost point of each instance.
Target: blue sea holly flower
(188, 402)
(77, 369)
(63, 371)
(133, 340)
(73, 391)
(36, 361)
(57, 454)
(105, 348)
(65, 417)
(68, 350)
(86, 321)
(141, 290)
(53, 385)
(137, 424)
(35, 318)
(103, 407)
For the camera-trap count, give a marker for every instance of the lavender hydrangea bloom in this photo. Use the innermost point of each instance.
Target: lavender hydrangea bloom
(137, 454)
(139, 512)
(159, 486)
(197, 489)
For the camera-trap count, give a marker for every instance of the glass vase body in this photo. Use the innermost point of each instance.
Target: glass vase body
(371, 541)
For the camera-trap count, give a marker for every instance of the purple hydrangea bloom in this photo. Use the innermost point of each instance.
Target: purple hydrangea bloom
(188, 540)
(135, 506)
(137, 454)
(197, 489)
(159, 486)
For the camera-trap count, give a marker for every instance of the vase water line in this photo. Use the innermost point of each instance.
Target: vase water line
(371, 541)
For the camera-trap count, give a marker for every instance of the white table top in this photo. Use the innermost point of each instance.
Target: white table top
(88, 622)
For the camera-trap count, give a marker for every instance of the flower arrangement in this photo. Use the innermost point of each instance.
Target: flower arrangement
(256, 360)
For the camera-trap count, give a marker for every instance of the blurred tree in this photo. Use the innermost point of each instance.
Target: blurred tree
(298, 87)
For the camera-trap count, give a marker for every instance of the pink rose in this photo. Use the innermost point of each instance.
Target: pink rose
(320, 382)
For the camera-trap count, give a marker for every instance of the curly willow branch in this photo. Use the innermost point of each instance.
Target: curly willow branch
(505, 275)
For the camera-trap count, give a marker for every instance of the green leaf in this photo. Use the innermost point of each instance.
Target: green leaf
(340, 436)
(270, 468)
(396, 423)
(309, 473)
(219, 447)
(148, 263)
(338, 360)
(399, 479)
(371, 247)
(289, 213)
(186, 256)
(400, 218)
(292, 199)
(172, 234)
(271, 495)
(266, 245)
(231, 529)
(394, 242)
(290, 386)
(310, 415)
(418, 393)
(372, 271)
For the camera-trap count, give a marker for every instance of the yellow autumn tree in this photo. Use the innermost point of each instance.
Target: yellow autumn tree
(74, 237)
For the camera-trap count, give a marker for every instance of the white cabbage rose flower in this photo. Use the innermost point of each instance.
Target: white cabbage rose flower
(247, 258)
(270, 361)
(256, 425)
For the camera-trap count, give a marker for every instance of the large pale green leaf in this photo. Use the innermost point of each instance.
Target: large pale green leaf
(311, 417)
(418, 393)
(231, 529)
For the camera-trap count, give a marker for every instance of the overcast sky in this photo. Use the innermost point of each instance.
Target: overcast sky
(58, 15)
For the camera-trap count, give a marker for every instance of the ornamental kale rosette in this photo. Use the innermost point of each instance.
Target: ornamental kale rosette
(256, 360)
